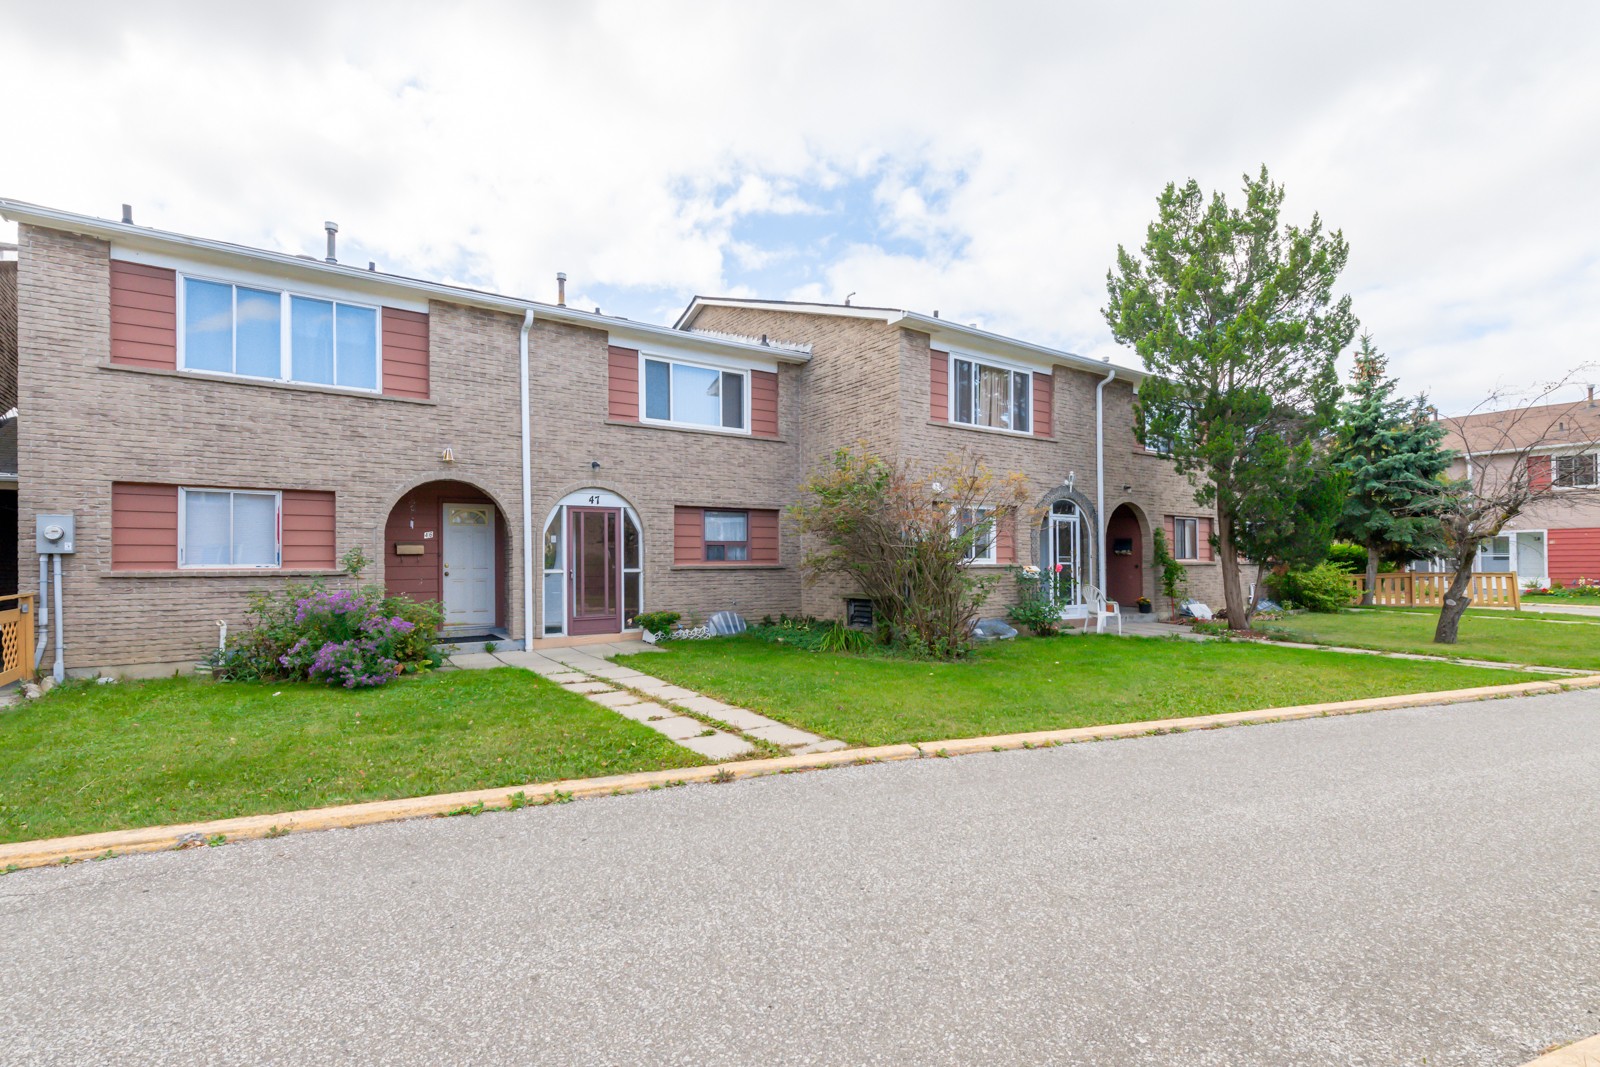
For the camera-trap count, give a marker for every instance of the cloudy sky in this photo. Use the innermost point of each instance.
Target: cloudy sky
(980, 159)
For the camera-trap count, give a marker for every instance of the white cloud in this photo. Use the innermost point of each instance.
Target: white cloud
(1015, 145)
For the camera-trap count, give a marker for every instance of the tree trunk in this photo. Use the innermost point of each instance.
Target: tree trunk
(1232, 592)
(1456, 602)
(1370, 593)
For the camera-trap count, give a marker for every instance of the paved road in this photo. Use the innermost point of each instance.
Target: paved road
(1405, 887)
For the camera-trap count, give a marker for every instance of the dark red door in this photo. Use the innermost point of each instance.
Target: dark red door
(1124, 570)
(595, 572)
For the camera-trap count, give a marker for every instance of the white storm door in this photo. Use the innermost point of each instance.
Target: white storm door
(468, 565)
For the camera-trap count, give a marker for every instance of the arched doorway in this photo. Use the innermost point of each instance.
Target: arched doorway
(1066, 541)
(448, 541)
(1124, 556)
(593, 565)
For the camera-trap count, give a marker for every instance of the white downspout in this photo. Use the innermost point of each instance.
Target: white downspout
(527, 491)
(1100, 485)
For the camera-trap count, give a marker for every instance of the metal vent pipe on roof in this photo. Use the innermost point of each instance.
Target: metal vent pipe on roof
(127, 214)
(333, 232)
(561, 288)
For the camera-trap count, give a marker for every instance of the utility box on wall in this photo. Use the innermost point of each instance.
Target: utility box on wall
(54, 534)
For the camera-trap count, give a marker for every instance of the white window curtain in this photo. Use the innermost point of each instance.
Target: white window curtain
(224, 528)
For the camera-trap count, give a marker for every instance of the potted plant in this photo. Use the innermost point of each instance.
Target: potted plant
(1145, 606)
(657, 624)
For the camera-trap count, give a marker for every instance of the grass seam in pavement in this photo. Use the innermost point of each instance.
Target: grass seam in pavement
(67, 850)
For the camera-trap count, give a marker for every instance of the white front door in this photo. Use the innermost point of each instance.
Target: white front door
(468, 565)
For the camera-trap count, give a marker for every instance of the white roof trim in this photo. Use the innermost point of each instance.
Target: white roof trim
(941, 330)
(131, 237)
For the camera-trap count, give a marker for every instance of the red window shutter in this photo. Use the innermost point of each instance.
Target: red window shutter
(144, 527)
(1044, 390)
(1204, 547)
(764, 536)
(144, 315)
(309, 534)
(623, 404)
(405, 353)
(688, 535)
(1172, 535)
(1005, 537)
(1539, 473)
(763, 402)
(939, 386)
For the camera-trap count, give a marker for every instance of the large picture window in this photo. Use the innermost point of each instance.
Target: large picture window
(689, 394)
(229, 528)
(994, 397)
(279, 336)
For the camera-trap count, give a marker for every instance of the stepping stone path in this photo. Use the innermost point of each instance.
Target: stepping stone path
(671, 710)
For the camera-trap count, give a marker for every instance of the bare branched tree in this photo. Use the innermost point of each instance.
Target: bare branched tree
(1515, 451)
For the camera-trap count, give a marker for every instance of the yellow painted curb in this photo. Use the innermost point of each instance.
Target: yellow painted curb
(161, 838)
(1585, 1053)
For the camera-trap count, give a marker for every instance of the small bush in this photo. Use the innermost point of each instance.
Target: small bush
(658, 622)
(1351, 559)
(1039, 615)
(841, 638)
(1321, 588)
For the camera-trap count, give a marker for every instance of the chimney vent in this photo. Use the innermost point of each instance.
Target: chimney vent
(1591, 396)
(935, 312)
(333, 231)
(561, 288)
(372, 265)
(127, 214)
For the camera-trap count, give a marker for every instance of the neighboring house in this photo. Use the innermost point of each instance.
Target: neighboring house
(218, 419)
(1558, 538)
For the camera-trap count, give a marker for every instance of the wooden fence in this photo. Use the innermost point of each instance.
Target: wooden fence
(16, 637)
(1426, 590)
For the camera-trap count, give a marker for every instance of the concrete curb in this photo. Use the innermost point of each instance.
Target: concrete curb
(184, 835)
(1585, 1053)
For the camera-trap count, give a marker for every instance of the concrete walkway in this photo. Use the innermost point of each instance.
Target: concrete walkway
(715, 730)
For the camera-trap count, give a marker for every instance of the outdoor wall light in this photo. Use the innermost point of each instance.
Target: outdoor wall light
(594, 464)
(447, 455)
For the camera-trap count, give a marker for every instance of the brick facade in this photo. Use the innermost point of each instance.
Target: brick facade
(453, 416)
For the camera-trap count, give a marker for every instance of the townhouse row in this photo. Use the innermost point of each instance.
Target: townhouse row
(216, 420)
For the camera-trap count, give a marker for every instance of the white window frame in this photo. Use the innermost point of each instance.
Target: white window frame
(700, 364)
(993, 364)
(285, 332)
(183, 528)
(706, 542)
(1555, 470)
(593, 498)
(1178, 525)
(991, 553)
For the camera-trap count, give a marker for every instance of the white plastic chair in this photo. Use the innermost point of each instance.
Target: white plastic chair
(1102, 609)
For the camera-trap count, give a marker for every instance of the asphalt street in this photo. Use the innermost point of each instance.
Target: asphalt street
(1404, 887)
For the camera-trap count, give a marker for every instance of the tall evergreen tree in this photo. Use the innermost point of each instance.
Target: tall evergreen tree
(1233, 313)
(1389, 449)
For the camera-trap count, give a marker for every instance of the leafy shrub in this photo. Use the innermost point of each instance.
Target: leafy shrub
(1321, 588)
(351, 638)
(1035, 608)
(841, 638)
(1582, 589)
(658, 622)
(1351, 559)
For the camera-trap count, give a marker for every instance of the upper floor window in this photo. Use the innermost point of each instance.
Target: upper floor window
(992, 396)
(1577, 472)
(267, 333)
(228, 528)
(691, 394)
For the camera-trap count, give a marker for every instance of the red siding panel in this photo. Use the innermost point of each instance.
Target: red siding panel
(405, 353)
(623, 402)
(763, 536)
(1574, 554)
(939, 386)
(688, 535)
(308, 529)
(144, 317)
(1005, 533)
(1044, 394)
(763, 402)
(1539, 472)
(144, 527)
(1172, 535)
(1204, 547)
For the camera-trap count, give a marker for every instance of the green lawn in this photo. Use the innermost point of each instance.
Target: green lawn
(1544, 638)
(103, 757)
(1034, 683)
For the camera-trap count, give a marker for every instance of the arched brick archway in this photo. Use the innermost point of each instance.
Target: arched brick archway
(1125, 552)
(448, 541)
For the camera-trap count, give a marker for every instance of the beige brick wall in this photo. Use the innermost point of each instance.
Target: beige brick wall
(88, 424)
(8, 335)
